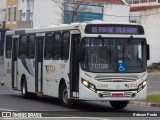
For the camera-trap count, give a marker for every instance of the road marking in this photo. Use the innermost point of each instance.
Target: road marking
(6, 110)
(11, 93)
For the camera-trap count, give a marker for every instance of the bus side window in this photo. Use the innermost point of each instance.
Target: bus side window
(31, 47)
(57, 46)
(48, 51)
(23, 47)
(8, 46)
(65, 45)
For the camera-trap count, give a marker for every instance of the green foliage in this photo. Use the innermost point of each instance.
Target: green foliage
(153, 99)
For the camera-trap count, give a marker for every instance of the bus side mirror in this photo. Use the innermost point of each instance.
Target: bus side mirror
(148, 52)
(79, 52)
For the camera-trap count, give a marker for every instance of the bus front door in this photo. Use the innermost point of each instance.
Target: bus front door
(39, 63)
(14, 62)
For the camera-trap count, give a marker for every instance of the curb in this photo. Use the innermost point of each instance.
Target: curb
(141, 103)
(154, 74)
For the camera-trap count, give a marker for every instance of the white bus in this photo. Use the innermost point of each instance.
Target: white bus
(93, 61)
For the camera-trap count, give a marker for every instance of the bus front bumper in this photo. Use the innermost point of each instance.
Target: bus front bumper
(118, 95)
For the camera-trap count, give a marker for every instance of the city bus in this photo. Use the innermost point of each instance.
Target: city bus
(92, 61)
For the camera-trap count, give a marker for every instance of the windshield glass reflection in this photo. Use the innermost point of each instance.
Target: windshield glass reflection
(105, 55)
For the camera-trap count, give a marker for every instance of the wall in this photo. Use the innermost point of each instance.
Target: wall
(2, 4)
(135, 17)
(2, 17)
(152, 29)
(24, 6)
(2, 12)
(47, 12)
(112, 13)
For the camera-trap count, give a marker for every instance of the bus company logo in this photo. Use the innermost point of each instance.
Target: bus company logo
(131, 85)
(50, 68)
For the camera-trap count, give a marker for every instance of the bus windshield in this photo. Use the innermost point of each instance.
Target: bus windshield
(105, 55)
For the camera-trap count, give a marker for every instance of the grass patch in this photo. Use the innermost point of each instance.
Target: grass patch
(153, 99)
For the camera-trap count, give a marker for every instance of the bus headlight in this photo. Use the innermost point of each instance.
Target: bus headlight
(89, 85)
(85, 83)
(142, 85)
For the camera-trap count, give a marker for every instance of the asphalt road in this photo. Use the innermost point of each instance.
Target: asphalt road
(153, 85)
(12, 101)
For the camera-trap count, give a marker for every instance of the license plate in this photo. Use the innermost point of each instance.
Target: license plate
(117, 94)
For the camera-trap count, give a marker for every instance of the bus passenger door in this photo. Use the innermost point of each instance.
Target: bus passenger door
(74, 67)
(8, 61)
(14, 62)
(39, 62)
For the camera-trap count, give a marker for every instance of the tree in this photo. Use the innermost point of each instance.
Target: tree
(73, 10)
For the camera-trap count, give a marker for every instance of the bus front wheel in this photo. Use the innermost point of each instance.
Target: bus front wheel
(119, 104)
(64, 96)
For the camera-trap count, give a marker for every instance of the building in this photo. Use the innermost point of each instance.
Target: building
(19, 13)
(87, 10)
(2, 13)
(11, 13)
(68, 11)
(25, 13)
(149, 16)
(36, 13)
(140, 2)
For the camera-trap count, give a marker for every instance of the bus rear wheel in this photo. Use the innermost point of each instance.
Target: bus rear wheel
(119, 104)
(24, 91)
(64, 96)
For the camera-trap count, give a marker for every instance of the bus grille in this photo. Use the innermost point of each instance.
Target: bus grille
(116, 78)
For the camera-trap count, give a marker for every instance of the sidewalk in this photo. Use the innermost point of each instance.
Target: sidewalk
(143, 103)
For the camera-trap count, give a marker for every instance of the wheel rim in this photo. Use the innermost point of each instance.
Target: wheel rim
(23, 89)
(65, 96)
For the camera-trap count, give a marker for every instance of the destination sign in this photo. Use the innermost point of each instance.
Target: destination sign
(113, 29)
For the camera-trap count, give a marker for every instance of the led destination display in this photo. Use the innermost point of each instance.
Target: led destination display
(113, 29)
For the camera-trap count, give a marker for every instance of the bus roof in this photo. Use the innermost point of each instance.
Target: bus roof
(62, 27)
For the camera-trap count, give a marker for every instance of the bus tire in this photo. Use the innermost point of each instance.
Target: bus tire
(119, 104)
(24, 91)
(64, 96)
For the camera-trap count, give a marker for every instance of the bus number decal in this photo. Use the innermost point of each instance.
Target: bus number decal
(102, 86)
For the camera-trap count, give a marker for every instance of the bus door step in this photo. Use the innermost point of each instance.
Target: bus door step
(39, 94)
